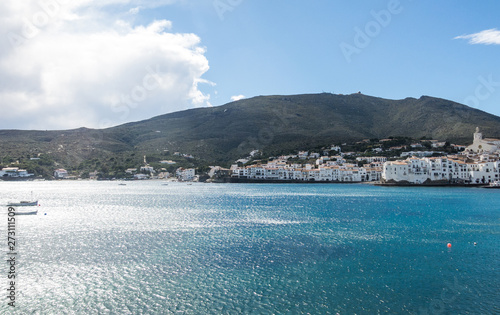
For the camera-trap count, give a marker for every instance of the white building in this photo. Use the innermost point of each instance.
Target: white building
(14, 172)
(131, 170)
(323, 173)
(243, 161)
(141, 176)
(438, 144)
(372, 159)
(185, 175)
(480, 145)
(335, 160)
(303, 155)
(147, 169)
(169, 162)
(60, 173)
(417, 153)
(163, 175)
(418, 171)
(93, 175)
(484, 172)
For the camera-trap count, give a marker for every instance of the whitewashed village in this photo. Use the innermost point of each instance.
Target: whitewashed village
(476, 164)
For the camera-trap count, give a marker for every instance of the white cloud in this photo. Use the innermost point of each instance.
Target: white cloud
(237, 97)
(487, 37)
(73, 64)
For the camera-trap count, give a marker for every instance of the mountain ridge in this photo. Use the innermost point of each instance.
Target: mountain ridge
(273, 124)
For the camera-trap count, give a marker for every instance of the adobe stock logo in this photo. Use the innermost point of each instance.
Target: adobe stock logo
(32, 26)
(223, 6)
(483, 91)
(151, 81)
(363, 37)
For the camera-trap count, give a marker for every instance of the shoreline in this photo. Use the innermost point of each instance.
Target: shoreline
(232, 180)
(378, 183)
(274, 181)
(430, 185)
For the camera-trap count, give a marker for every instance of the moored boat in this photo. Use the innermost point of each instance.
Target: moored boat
(23, 204)
(24, 207)
(495, 184)
(26, 212)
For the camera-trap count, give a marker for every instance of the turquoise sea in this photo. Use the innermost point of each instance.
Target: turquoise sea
(150, 248)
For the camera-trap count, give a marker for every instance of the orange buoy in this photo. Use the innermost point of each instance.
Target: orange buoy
(449, 245)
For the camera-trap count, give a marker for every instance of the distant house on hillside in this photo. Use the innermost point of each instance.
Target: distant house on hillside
(147, 169)
(169, 162)
(93, 175)
(14, 172)
(303, 155)
(438, 144)
(141, 176)
(131, 170)
(60, 173)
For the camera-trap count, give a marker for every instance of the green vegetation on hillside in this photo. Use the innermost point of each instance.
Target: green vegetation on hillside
(274, 125)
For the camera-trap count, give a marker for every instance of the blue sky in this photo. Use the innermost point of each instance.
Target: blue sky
(130, 59)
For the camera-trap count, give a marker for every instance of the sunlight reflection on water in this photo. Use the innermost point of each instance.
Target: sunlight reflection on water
(233, 248)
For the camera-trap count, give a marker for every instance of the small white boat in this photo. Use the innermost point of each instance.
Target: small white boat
(23, 204)
(24, 207)
(26, 212)
(495, 184)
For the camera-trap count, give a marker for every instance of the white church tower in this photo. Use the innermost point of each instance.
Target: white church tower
(483, 145)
